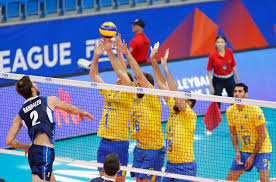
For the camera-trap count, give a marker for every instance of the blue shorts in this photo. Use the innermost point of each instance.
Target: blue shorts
(148, 159)
(41, 160)
(119, 147)
(261, 161)
(189, 168)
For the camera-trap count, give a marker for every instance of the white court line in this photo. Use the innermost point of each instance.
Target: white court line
(137, 170)
(65, 179)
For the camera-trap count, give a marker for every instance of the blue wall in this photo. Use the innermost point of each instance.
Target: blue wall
(54, 47)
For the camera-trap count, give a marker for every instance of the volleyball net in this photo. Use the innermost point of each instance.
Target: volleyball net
(150, 120)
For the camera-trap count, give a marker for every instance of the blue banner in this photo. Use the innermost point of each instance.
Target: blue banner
(54, 47)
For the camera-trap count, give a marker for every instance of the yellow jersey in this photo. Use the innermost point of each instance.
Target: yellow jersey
(115, 115)
(180, 134)
(245, 122)
(145, 122)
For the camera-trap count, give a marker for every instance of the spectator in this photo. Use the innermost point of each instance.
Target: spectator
(139, 45)
(110, 168)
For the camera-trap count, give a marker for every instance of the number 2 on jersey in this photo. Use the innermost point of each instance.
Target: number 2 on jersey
(34, 117)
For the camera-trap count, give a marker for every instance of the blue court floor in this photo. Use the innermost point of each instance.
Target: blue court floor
(214, 155)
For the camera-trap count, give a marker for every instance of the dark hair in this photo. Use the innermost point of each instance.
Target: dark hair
(130, 76)
(245, 87)
(111, 164)
(2, 180)
(149, 77)
(24, 86)
(176, 109)
(193, 101)
(221, 37)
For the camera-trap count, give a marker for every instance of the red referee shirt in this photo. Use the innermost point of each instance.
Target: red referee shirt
(139, 47)
(221, 65)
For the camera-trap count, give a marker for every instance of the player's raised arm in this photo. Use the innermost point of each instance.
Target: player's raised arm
(160, 80)
(138, 73)
(116, 64)
(179, 102)
(54, 103)
(13, 132)
(94, 73)
(121, 58)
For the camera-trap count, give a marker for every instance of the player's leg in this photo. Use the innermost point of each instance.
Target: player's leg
(264, 175)
(262, 163)
(234, 175)
(41, 160)
(102, 152)
(137, 162)
(53, 179)
(121, 148)
(237, 169)
(153, 160)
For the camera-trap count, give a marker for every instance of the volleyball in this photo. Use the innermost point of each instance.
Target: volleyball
(108, 30)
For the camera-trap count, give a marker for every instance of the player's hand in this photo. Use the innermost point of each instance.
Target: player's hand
(99, 49)
(86, 114)
(212, 89)
(249, 162)
(27, 149)
(164, 59)
(153, 51)
(121, 46)
(238, 158)
(107, 44)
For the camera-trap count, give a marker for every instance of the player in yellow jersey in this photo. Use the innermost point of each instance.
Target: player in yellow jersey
(146, 127)
(180, 126)
(113, 127)
(248, 124)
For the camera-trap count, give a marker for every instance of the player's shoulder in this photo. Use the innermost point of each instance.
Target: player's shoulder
(254, 109)
(231, 108)
(98, 179)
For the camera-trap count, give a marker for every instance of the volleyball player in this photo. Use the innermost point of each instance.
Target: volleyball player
(248, 124)
(37, 115)
(113, 127)
(180, 127)
(146, 128)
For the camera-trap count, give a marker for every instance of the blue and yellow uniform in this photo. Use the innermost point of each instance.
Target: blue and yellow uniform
(113, 127)
(179, 142)
(146, 129)
(37, 116)
(245, 122)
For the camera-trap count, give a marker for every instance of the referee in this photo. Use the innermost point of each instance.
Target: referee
(221, 60)
(139, 45)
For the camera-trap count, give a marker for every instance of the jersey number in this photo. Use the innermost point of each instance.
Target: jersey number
(246, 138)
(136, 125)
(169, 145)
(34, 117)
(106, 118)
